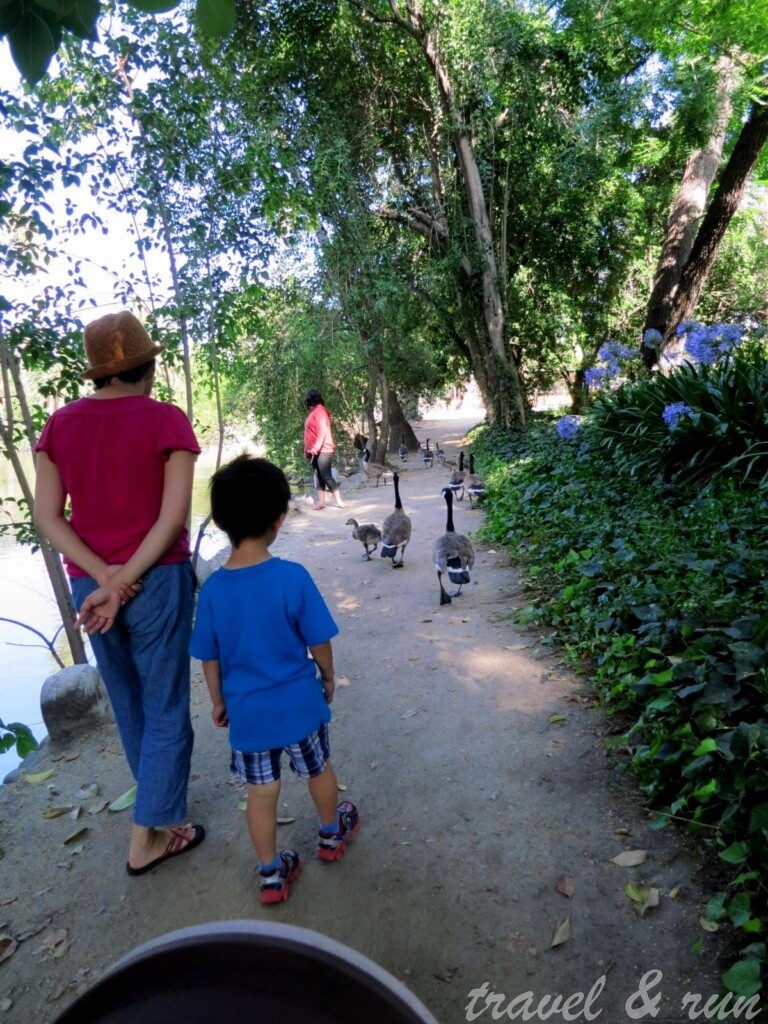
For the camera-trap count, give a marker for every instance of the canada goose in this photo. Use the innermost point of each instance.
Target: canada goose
(402, 451)
(396, 531)
(450, 463)
(473, 482)
(439, 454)
(456, 483)
(427, 456)
(368, 535)
(373, 470)
(453, 553)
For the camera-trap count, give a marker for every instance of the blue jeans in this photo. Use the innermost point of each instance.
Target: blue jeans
(144, 662)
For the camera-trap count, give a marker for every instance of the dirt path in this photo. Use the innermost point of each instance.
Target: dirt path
(474, 804)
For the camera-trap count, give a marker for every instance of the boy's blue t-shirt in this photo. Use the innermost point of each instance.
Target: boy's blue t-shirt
(258, 622)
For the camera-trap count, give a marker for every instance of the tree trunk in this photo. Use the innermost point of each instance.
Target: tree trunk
(399, 428)
(55, 569)
(732, 184)
(169, 245)
(508, 409)
(688, 206)
(381, 448)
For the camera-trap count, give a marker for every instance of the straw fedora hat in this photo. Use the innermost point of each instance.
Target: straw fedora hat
(116, 342)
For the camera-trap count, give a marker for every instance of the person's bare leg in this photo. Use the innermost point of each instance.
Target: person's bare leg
(324, 790)
(261, 814)
(337, 498)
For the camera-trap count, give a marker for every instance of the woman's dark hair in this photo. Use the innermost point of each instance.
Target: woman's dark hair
(313, 398)
(127, 376)
(247, 496)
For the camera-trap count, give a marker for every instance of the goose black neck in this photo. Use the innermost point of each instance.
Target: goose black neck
(396, 482)
(461, 462)
(449, 519)
(472, 463)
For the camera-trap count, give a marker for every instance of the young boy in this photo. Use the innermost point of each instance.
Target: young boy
(256, 618)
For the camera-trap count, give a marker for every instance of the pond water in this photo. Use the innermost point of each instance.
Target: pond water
(26, 596)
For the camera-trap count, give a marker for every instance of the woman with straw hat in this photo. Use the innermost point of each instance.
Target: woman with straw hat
(126, 463)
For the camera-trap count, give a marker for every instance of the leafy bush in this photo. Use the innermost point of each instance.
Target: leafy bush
(18, 735)
(700, 421)
(661, 591)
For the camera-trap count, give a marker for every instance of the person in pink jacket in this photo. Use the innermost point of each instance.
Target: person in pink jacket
(319, 447)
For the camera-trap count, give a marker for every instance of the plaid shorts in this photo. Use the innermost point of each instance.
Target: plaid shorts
(307, 759)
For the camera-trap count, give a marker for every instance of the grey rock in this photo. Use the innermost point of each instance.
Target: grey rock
(74, 702)
(205, 566)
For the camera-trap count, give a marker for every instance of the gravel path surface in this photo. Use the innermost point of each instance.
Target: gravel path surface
(478, 765)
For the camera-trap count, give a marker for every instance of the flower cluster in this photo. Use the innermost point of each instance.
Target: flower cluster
(706, 344)
(568, 426)
(610, 356)
(652, 338)
(674, 413)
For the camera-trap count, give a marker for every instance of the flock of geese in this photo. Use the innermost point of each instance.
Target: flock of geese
(452, 553)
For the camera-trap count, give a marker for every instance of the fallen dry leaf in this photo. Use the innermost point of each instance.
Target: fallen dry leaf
(33, 929)
(556, 718)
(630, 858)
(79, 834)
(341, 787)
(674, 892)
(8, 946)
(410, 714)
(517, 647)
(38, 777)
(126, 799)
(56, 944)
(72, 757)
(565, 885)
(709, 926)
(56, 812)
(446, 975)
(285, 821)
(562, 933)
(642, 897)
(621, 831)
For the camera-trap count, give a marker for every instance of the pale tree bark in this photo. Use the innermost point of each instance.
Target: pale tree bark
(700, 172)
(731, 185)
(169, 245)
(14, 385)
(508, 408)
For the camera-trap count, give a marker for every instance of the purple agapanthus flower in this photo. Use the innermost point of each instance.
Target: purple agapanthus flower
(610, 357)
(706, 345)
(674, 412)
(652, 338)
(568, 426)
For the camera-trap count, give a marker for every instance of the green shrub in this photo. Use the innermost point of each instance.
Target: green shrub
(716, 421)
(661, 592)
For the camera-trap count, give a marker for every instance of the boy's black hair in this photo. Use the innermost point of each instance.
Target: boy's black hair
(247, 496)
(127, 376)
